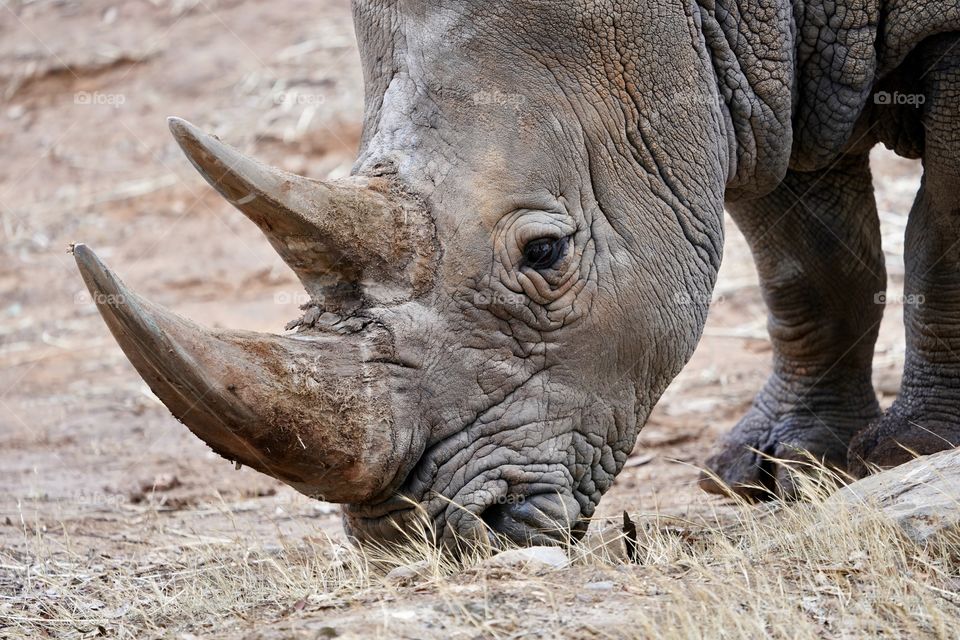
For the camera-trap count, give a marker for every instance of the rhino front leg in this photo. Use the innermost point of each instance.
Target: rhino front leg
(925, 418)
(816, 243)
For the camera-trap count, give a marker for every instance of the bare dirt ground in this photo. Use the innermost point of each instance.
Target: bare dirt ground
(99, 481)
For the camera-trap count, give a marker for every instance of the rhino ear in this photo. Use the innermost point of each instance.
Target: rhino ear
(361, 230)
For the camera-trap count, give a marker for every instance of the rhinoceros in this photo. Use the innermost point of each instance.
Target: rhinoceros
(523, 256)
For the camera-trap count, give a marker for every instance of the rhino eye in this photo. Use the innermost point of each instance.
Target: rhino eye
(544, 253)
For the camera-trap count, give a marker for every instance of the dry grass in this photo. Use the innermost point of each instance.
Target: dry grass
(804, 570)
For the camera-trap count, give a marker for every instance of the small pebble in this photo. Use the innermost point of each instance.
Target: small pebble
(532, 558)
(409, 573)
(603, 585)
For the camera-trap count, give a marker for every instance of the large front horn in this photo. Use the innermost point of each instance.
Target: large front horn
(311, 410)
(361, 230)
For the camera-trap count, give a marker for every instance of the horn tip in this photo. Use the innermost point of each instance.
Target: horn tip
(183, 130)
(85, 257)
(99, 279)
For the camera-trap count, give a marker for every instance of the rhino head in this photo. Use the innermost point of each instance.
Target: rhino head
(519, 264)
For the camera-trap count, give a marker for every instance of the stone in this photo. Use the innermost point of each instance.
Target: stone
(409, 573)
(921, 496)
(602, 585)
(530, 558)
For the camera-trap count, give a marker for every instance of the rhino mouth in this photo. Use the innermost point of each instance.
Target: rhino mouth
(474, 487)
(549, 518)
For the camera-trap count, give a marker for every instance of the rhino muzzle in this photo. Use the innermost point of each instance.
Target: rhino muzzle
(312, 409)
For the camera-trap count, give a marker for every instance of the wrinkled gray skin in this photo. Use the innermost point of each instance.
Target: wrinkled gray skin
(517, 394)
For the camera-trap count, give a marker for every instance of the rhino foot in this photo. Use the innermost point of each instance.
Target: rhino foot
(753, 460)
(906, 431)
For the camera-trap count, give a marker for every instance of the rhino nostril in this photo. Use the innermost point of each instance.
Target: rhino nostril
(497, 518)
(539, 519)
